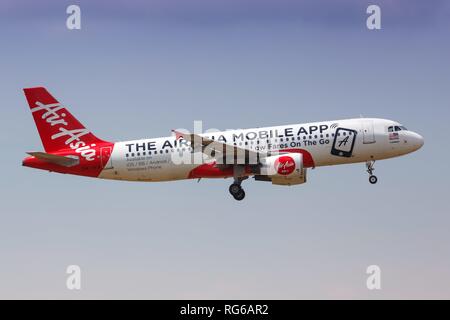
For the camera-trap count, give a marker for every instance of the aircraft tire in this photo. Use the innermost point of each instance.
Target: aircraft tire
(373, 179)
(240, 195)
(235, 189)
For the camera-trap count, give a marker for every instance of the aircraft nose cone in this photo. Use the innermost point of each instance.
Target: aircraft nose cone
(417, 141)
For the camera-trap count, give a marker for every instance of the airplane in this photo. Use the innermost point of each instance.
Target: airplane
(279, 154)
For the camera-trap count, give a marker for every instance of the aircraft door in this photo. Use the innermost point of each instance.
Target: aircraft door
(368, 132)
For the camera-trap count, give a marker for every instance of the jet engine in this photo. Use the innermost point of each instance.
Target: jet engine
(283, 169)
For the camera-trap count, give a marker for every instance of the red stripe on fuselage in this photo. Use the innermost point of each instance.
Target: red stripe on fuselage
(210, 170)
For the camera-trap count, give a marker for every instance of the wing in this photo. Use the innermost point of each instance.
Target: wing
(224, 153)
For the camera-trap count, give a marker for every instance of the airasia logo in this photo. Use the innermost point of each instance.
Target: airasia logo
(73, 137)
(285, 165)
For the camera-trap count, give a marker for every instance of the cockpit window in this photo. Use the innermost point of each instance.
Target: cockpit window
(396, 128)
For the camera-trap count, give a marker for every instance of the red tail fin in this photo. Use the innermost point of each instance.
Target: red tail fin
(58, 128)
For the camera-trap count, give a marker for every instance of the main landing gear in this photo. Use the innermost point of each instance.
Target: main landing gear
(236, 191)
(372, 179)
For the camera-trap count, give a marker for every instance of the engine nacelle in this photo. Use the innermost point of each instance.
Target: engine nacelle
(284, 169)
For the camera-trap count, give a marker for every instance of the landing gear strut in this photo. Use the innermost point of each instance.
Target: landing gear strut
(370, 168)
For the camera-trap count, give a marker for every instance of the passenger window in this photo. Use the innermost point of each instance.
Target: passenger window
(391, 129)
(397, 128)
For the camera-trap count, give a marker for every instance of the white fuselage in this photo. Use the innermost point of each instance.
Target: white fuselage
(322, 144)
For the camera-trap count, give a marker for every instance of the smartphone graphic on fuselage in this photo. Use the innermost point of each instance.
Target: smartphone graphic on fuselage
(343, 143)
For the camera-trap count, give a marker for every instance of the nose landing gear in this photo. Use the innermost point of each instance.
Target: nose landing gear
(370, 168)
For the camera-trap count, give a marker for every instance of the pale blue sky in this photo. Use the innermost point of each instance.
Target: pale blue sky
(139, 69)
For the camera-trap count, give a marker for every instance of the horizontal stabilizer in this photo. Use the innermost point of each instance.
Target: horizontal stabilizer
(65, 161)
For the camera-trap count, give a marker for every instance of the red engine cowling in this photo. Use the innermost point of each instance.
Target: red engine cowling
(284, 169)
